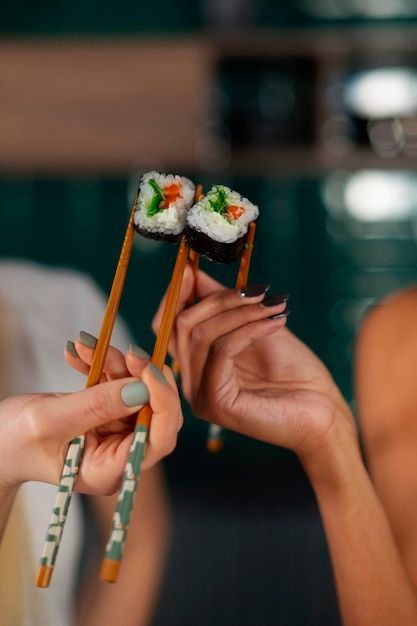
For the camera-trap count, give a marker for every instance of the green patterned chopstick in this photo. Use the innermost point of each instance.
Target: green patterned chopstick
(115, 546)
(75, 450)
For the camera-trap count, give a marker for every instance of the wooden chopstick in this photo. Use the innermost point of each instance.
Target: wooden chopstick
(193, 256)
(194, 260)
(114, 550)
(242, 276)
(75, 450)
(215, 432)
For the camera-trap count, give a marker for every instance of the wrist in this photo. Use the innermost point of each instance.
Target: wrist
(7, 497)
(7, 492)
(329, 467)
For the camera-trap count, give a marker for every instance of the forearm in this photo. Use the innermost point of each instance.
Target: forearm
(6, 503)
(372, 584)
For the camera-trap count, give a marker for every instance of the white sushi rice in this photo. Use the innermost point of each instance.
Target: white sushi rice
(170, 221)
(203, 218)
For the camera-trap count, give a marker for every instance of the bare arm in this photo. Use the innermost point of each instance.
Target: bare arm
(252, 375)
(7, 496)
(387, 403)
(372, 584)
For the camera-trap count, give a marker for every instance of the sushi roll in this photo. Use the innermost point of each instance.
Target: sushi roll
(162, 204)
(217, 225)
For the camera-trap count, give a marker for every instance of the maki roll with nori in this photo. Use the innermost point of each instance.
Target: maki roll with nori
(217, 225)
(162, 204)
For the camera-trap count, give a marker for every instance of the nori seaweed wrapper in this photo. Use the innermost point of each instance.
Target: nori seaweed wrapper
(217, 225)
(157, 236)
(208, 248)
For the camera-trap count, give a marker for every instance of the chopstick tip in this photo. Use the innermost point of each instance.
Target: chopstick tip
(109, 570)
(44, 576)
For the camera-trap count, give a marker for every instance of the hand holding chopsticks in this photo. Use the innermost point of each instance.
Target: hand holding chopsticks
(162, 198)
(75, 450)
(115, 546)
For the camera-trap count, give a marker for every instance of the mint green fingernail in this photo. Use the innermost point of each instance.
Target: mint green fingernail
(155, 371)
(135, 393)
(70, 347)
(87, 339)
(142, 354)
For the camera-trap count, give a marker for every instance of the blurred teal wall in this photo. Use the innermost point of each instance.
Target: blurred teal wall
(175, 16)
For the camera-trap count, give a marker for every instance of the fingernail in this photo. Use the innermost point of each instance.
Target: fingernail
(277, 298)
(278, 315)
(87, 339)
(155, 371)
(142, 354)
(251, 291)
(70, 347)
(135, 393)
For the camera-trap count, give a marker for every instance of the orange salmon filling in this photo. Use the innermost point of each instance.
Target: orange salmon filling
(234, 212)
(171, 193)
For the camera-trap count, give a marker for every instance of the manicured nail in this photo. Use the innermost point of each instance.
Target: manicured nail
(155, 371)
(139, 352)
(70, 347)
(87, 339)
(135, 393)
(251, 291)
(278, 315)
(277, 298)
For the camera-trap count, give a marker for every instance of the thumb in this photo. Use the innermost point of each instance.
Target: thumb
(75, 413)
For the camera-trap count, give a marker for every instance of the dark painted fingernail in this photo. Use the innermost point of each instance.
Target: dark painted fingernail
(87, 339)
(70, 347)
(251, 291)
(142, 354)
(277, 298)
(135, 393)
(278, 315)
(155, 371)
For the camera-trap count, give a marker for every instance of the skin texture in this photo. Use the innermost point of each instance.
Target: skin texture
(149, 528)
(250, 374)
(387, 405)
(35, 430)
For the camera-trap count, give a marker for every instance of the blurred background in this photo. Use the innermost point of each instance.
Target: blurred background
(309, 108)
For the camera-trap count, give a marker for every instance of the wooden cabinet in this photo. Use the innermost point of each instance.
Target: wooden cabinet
(263, 101)
(105, 105)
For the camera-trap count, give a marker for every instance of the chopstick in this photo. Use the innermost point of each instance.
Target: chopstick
(114, 550)
(215, 438)
(194, 260)
(242, 276)
(75, 450)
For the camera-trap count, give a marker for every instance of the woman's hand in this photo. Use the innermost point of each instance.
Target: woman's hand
(247, 372)
(35, 429)
(167, 417)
